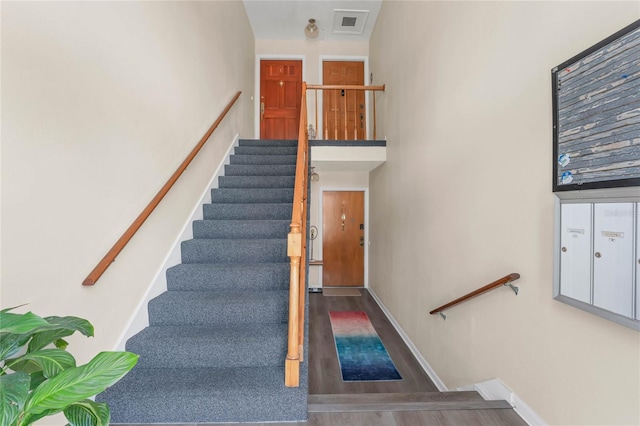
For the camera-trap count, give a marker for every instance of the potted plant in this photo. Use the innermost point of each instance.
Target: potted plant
(39, 378)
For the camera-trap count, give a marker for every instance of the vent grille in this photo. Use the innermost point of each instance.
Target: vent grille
(349, 21)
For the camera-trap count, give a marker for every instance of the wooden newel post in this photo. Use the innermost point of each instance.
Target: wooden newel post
(292, 363)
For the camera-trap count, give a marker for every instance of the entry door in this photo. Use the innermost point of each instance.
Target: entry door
(280, 93)
(342, 107)
(343, 238)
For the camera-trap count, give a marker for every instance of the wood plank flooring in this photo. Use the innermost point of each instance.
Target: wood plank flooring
(358, 403)
(324, 369)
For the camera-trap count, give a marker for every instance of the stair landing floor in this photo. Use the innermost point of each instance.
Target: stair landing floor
(325, 381)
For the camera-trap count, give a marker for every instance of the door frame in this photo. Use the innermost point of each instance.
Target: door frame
(367, 94)
(321, 192)
(256, 86)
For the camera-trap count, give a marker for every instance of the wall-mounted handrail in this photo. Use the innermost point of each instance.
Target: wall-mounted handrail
(106, 261)
(345, 87)
(296, 250)
(504, 281)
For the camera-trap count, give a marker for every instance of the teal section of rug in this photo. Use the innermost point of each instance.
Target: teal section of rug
(361, 354)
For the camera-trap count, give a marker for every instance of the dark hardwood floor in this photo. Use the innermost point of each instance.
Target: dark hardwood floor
(324, 370)
(325, 381)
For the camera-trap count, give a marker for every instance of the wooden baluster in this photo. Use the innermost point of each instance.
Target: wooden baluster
(315, 92)
(344, 103)
(373, 95)
(355, 115)
(335, 114)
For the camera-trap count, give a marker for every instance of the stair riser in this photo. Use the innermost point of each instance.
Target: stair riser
(212, 313)
(241, 277)
(247, 211)
(259, 170)
(251, 196)
(265, 150)
(239, 229)
(256, 181)
(268, 350)
(267, 142)
(238, 251)
(263, 159)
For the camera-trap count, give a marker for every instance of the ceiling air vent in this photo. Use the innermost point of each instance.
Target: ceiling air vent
(349, 21)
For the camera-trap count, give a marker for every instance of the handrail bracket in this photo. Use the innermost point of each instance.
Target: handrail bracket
(444, 317)
(513, 287)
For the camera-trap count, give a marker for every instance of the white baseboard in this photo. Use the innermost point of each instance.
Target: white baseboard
(140, 318)
(496, 390)
(414, 350)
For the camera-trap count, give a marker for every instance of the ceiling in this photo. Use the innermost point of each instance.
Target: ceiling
(285, 20)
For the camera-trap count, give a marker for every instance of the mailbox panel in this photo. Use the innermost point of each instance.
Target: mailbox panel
(575, 251)
(613, 247)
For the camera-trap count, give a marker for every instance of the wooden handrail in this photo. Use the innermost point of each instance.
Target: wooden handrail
(345, 86)
(296, 250)
(111, 255)
(506, 280)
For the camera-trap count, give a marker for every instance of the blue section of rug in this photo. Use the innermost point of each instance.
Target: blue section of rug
(361, 354)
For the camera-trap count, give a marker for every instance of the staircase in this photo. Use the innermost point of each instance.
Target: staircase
(215, 348)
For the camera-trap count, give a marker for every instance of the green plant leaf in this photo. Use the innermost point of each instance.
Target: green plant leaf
(12, 308)
(29, 419)
(36, 379)
(49, 361)
(11, 343)
(14, 389)
(88, 413)
(66, 326)
(78, 383)
(21, 323)
(63, 327)
(61, 344)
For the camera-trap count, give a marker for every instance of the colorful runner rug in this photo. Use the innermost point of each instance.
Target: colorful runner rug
(361, 354)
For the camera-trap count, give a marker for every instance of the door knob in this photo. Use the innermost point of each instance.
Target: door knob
(598, 255)
(361, 241)
(564, 249)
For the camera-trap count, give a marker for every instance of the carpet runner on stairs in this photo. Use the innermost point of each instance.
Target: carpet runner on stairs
(215, 347)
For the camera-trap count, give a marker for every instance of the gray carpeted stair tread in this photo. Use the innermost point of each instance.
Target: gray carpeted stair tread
(206, 395)
(247, 211)
(252, 195)
(242, 229)
(247, 250)
(268, 142)
(263, 159)
(192, 347)
(260, 170)
(256, 181)
(229, 276)
(265, 150)
(219, 308)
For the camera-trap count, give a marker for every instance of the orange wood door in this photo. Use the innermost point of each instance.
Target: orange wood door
(343, 238)
(344, 113)
(280, 92)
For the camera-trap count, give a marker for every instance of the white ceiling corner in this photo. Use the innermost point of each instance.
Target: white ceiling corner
(286, 19)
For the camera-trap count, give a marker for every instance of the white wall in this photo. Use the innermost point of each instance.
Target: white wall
(101, 103)
(465, 198)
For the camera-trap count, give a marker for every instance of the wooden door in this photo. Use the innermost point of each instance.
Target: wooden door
(343, 238)
(280, 93)
(344, 112)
